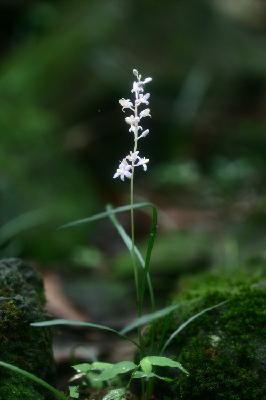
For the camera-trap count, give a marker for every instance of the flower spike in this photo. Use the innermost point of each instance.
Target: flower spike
(128, 164)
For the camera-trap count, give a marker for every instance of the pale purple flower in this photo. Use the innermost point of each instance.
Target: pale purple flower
(142, 161)
(133, 157)
(124, 170)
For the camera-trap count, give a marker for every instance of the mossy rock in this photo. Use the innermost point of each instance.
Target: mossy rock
(22, 302)
(224, 349)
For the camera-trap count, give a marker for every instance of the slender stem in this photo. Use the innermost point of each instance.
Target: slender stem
(135, 266)
(133, 240)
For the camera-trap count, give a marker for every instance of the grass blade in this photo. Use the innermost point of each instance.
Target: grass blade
(186, 323)
(145, 319)
(69, 322)
(20, 224)
(125, 237)
(59, 395)
(128, 242)
(105, 214)
(150, 245)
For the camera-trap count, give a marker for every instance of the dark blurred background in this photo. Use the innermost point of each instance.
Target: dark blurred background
(65, 65)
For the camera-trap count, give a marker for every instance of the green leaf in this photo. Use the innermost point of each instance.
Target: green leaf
(93, 380)
(186, 323)
(100, 366)
(164, 362)
(84, 368)
(151, 241)
(69, 322)
(74, 392)
(59, 395)
(143, 375)
(116, 369)
(145, 319)
(95, 366)
(125, 237)
(109, 213)
(128, 242)
(105, 214)
(21, 223)
(146, 365)
(115, 394)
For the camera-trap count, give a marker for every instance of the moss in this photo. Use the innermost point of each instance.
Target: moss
(21, 302)
(19, 388)
(225, 349)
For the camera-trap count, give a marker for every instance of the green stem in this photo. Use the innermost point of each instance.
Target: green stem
(133, 241)
(133, 256)
(149, 389)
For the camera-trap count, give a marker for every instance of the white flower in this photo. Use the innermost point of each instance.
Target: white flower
(124, 170)
(143, 98)
(133, 122)
(137, 88)
(127, 165)
(142, 161)
(145, 113)
(125, 103)
(133, 157)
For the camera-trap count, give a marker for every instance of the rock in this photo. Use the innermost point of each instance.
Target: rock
(224, 350)
(22, 302)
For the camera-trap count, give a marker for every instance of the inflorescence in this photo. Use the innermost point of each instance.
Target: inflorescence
(132, 160)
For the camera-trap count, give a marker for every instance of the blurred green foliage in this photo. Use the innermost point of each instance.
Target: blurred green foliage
(64, 66)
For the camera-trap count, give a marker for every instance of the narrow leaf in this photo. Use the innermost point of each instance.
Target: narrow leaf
(105, 214)
(128, 242)
(150, 245)
(69, 322)
(20, 224)
(142, 375)
(59, 395)
(145, 319)
(125, 237)
(186, 323)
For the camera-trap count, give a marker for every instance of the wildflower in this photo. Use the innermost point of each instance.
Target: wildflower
(132, 120)
(143, 98)
(137, 87)
(124, 170)
(126, 103)
(142, 161)
(145, 113)
(133, 156)
(134, 123)
(127, 165)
